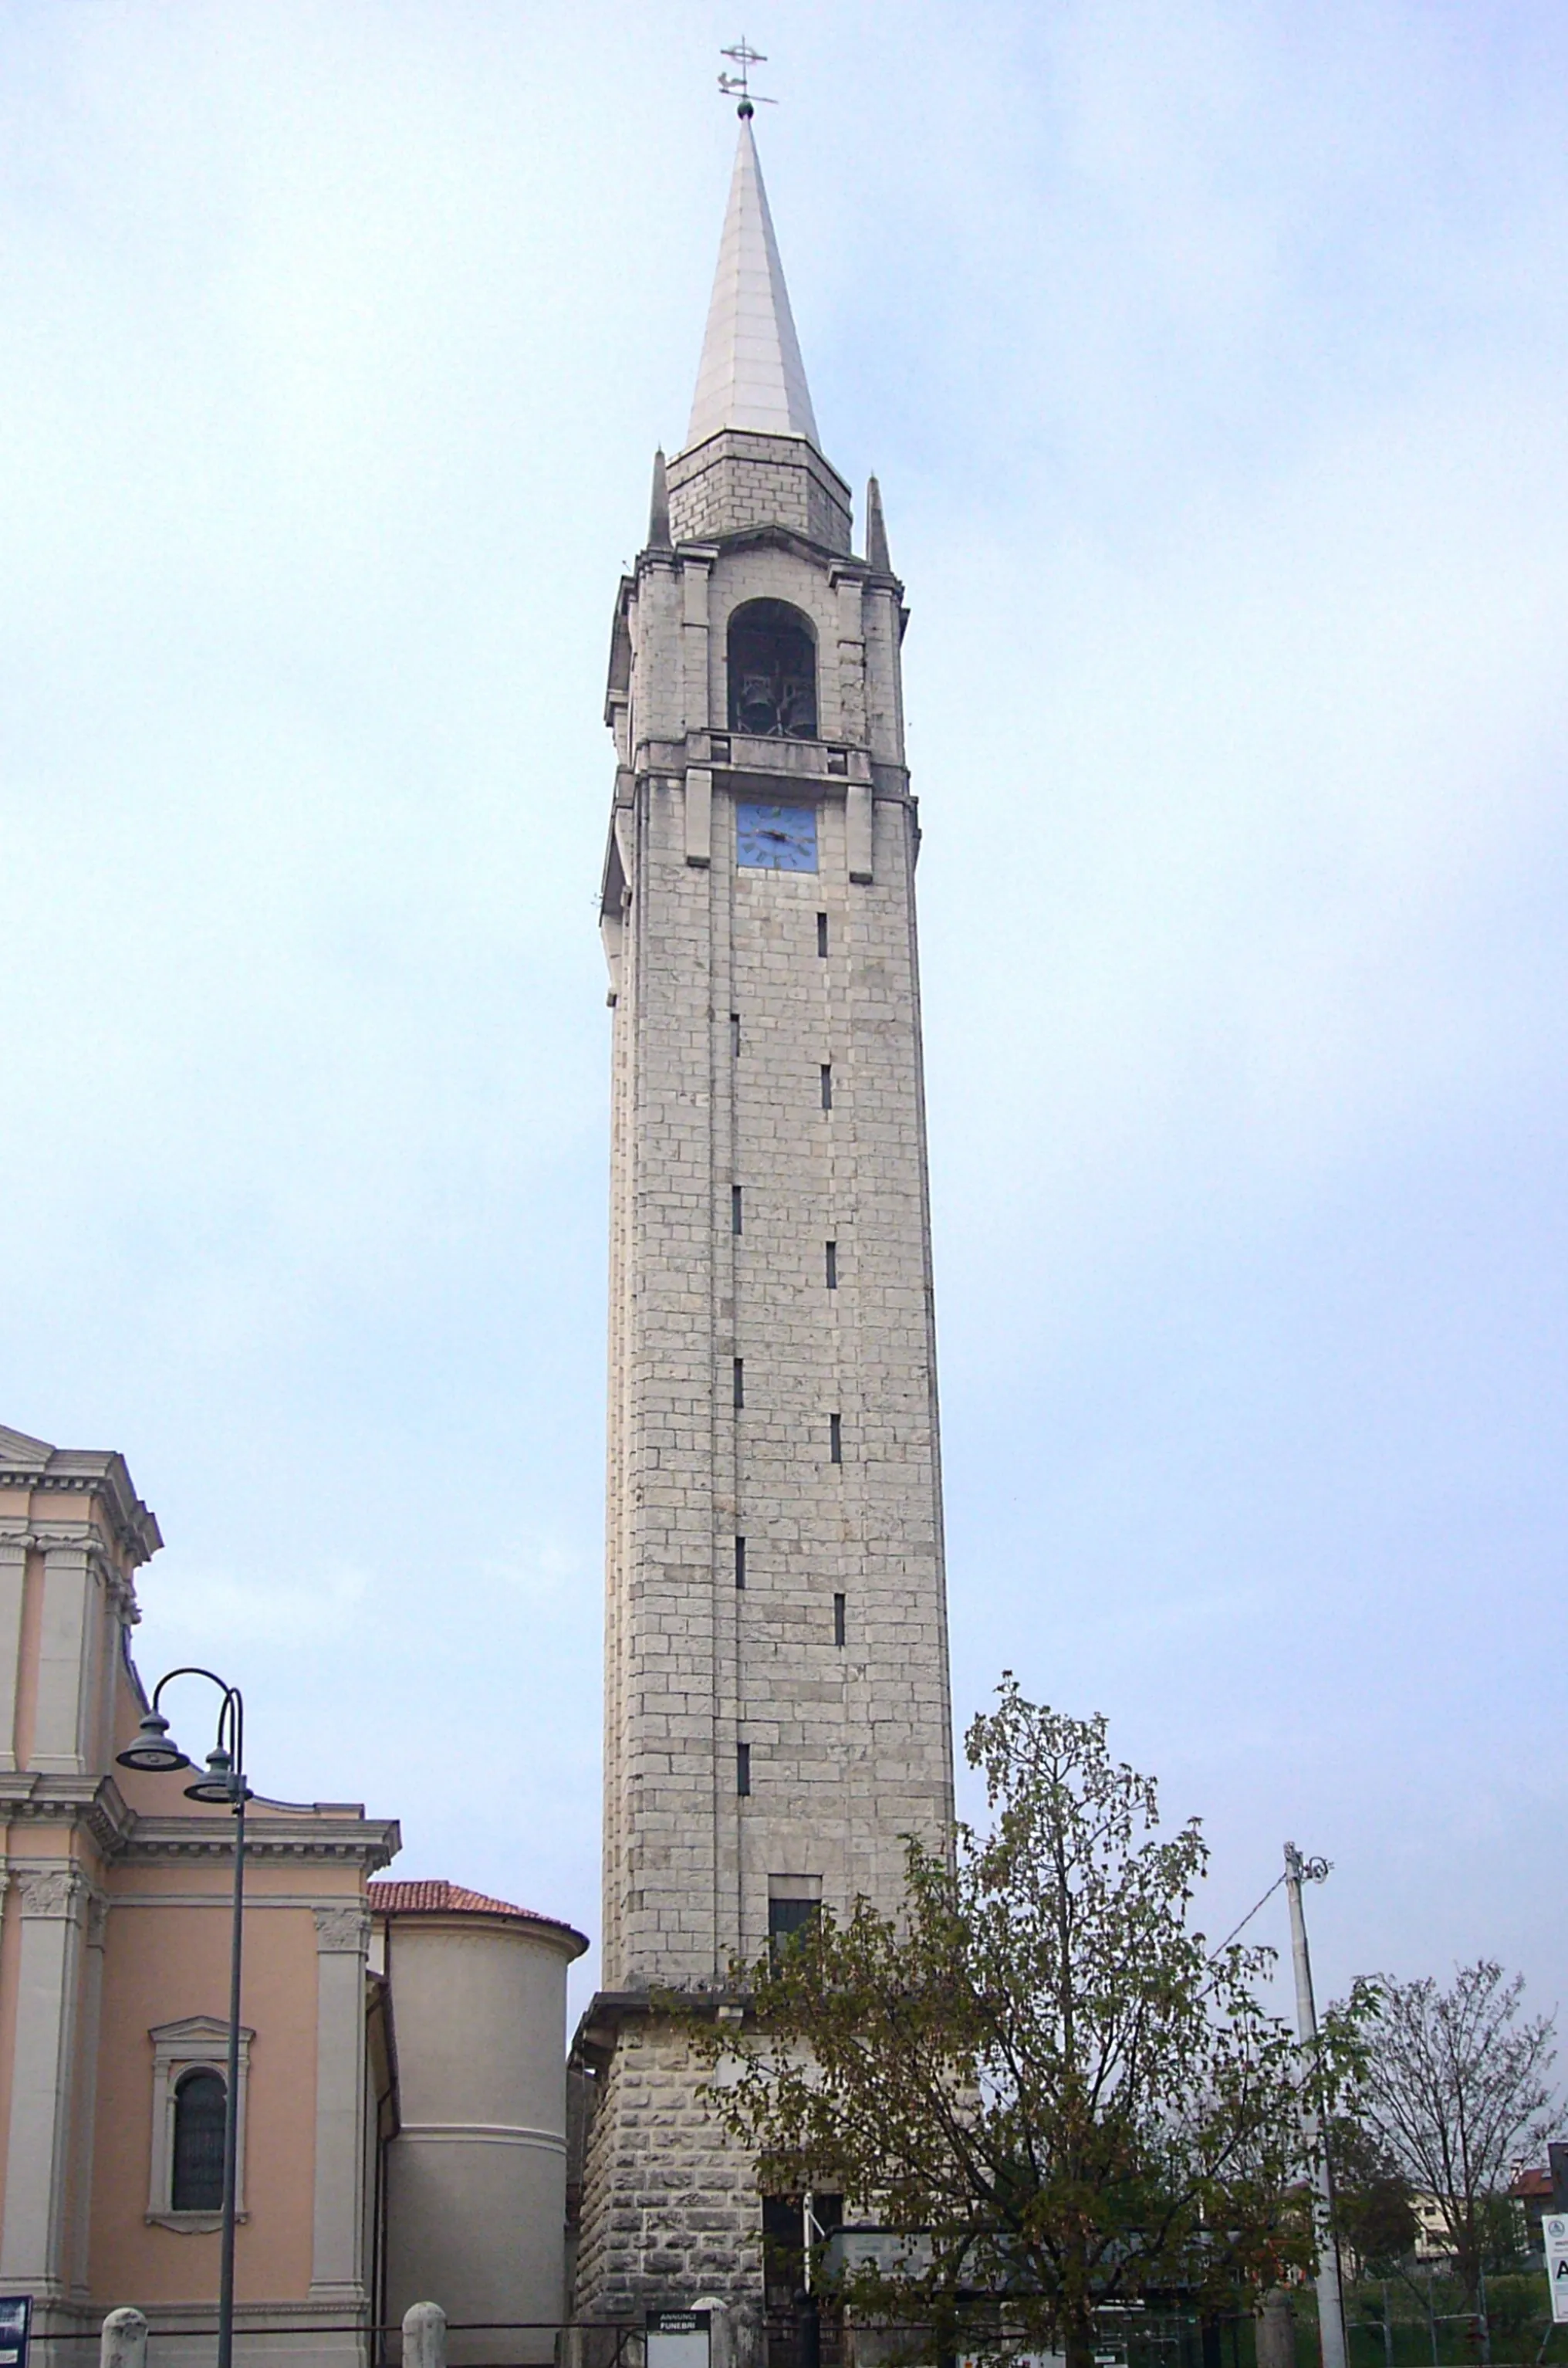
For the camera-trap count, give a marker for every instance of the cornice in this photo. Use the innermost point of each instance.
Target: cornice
(368, 1842)
(93, 1802)
(107, 1482)
(97, 1804)
(745, 761)
(775, 538)
(608, 2012)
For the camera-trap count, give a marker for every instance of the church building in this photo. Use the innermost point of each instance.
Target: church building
(402, 2131)
(777, 1701)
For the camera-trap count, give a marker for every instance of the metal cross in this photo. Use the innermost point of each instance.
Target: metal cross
(738, 84)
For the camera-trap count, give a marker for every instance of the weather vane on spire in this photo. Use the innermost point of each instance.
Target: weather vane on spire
(738, 84)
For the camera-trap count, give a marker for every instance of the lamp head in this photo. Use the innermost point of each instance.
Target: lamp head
(219, 1784)
(154, 1750)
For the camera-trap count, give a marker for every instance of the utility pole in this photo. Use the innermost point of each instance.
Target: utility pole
(1331, 2302)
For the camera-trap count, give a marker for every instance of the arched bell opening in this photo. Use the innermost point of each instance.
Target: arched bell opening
(772, 659)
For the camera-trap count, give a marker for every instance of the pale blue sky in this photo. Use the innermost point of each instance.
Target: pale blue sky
(1213, 358)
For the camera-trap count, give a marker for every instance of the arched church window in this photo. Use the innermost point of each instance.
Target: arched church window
(773, 672)
(197, 2182)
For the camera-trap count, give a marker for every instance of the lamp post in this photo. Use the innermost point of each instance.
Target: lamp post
(155, 1752)
(1330, 2300)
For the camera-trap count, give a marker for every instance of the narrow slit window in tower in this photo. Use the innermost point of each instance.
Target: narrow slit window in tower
(735, 1227)
(822, 935)
(839, 1602)
(740, 1382)
(734, 1035)
(743, 1768)
(740, 1562)
(827, 1084)
(832, 1249)
(835, 1439)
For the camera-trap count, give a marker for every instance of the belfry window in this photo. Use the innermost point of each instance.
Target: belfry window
(773, 672)
(196, 2183)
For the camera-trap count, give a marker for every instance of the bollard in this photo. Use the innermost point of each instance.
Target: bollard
(721, 2333)
(424, 2336)
(123, 2342)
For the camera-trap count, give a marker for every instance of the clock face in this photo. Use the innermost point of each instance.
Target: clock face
(775, 839)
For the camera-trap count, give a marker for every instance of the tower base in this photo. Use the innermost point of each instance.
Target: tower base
(670, 2215)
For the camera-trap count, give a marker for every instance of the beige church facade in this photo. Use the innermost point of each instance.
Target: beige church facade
(402, 2092)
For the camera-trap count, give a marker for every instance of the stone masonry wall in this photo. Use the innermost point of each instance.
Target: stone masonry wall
(670, 2207)
(732, 1016)
(736, 481)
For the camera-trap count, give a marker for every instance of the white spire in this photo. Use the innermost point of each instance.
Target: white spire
(751, 374)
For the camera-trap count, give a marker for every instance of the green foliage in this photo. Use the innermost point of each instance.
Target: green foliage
(1374, 2213)
(1038, 2078)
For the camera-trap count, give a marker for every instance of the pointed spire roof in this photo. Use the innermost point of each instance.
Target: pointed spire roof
(751, 374)
(659, 508)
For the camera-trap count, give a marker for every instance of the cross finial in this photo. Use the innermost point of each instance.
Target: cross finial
(738, 84)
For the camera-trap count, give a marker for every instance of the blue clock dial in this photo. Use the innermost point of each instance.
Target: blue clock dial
(775, 839)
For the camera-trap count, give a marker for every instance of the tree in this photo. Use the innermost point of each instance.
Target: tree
(1456, 2084)
(1373, 2216)
(1037, 2080)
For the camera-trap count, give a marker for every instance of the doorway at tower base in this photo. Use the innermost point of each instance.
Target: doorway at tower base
(670, 2215)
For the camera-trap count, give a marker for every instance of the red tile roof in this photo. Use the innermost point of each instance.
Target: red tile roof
(438, 1897)
(1532, 2183)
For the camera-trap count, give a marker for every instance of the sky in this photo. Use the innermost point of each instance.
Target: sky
(1213, 361)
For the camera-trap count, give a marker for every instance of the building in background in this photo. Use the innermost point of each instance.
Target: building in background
(114, 1987)
(1532, 2196)
(776, 1711)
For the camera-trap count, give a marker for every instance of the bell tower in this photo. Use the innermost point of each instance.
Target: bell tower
(776, 1711)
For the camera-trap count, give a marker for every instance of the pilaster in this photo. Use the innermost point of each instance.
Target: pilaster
(51, 1901)
(884, 697)
(14, 1547)
(95, 1934)
(851, 655)
(337, 2270)
(69, 1653)
(696, 568)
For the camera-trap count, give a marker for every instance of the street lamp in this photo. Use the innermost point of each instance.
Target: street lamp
(1331, 2298)
(155, 1752)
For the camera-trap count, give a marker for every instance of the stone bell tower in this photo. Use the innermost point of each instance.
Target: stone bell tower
(776, 1713)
